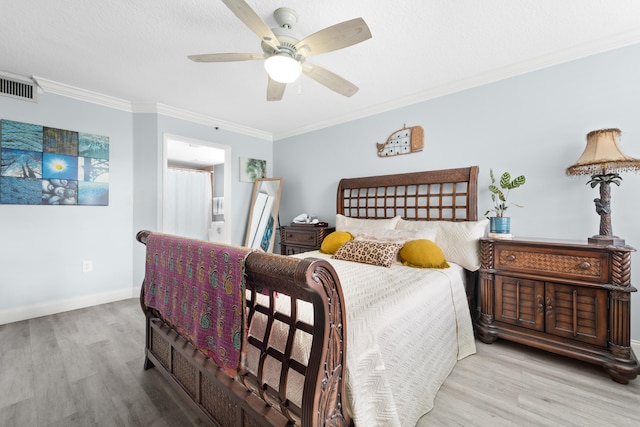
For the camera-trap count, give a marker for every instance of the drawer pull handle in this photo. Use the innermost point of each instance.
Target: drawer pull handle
(540, 304)
(584, 266)
(549, 306)
(510, 257)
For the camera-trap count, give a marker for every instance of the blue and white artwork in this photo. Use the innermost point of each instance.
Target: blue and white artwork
(93, 146)
(93, 193)
(59, 166)
(20, 163)
(48, 166)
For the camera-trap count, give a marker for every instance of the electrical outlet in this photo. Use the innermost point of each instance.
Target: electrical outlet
(87, 266)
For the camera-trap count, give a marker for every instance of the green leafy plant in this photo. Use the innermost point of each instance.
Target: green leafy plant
(500, 192)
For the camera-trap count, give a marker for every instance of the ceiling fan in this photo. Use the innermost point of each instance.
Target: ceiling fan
(285, 51)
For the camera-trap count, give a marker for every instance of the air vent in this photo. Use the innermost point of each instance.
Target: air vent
(18, 87)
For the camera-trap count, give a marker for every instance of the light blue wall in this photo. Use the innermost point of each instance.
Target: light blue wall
(42, 247)
(534, 124)
(241, 146)
(148, 173)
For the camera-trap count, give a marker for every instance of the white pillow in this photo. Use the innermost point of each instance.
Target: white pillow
(458, 240)
(394, 236)
(345, 223)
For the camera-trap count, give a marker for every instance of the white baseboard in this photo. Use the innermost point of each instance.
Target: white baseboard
(44, 309)
(635, 345)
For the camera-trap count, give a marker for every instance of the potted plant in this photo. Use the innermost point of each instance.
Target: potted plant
(501, 224)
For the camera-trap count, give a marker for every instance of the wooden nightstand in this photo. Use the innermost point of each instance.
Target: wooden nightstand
(569, 298)
(298, 238)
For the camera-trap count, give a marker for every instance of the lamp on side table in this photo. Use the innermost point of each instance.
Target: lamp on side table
(603, 160)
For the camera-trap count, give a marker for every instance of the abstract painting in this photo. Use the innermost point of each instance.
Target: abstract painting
(48, 166)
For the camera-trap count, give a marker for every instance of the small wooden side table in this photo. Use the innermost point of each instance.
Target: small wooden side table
(298, 238)
(570, 298)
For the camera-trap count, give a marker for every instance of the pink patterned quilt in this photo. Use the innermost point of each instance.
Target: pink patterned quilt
(198, 287)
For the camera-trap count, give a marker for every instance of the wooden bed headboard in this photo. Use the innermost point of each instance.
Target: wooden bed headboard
(447, 195)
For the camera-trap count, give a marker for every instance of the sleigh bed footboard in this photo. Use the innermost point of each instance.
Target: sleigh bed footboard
(282, 385)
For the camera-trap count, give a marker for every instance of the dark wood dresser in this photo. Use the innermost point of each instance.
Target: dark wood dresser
(298, 238)
(567, 297)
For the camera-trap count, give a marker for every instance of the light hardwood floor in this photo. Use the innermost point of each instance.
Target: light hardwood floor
(84, 368)
(507, 384)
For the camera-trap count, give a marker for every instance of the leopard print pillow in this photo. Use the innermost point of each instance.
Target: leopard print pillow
(369, 252)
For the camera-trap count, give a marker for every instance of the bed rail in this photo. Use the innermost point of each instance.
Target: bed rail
(251, 399)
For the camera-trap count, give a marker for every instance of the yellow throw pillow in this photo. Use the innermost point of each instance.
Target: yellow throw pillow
(333, 241)
(422, 253)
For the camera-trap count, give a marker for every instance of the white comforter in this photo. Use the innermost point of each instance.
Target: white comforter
(406, 329)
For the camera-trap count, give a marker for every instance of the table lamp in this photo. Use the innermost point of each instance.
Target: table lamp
(603, 160)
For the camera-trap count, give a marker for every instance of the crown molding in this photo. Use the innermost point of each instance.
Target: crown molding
(544, 61)
(167, 110)
(50, 86)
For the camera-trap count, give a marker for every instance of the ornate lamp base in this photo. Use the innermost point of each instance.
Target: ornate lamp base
(603, 208)
(606, 240)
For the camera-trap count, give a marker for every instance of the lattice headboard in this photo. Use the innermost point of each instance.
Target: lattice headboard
(447, 194)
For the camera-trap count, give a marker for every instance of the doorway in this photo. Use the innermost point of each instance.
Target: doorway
(196, 188)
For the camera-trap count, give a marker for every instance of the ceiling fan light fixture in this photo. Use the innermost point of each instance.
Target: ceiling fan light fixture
(283, 68)
(285, 51)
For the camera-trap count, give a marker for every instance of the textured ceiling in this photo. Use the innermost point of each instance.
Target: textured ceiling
(136, 51)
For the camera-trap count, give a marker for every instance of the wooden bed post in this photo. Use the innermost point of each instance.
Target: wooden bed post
(324, 398)
(331, 405)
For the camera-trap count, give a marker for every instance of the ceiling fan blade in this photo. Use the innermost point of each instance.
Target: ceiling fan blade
(225, 57)
(275, 90)
(251, 19)
(329, 79)
(336, 37)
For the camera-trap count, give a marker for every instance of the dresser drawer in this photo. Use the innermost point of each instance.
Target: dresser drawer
(576, 264)
(296, 239)
(298, 236)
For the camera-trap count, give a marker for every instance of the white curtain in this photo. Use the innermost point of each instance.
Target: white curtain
(188, 204)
